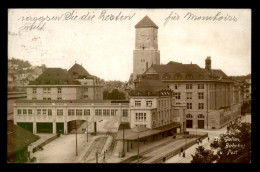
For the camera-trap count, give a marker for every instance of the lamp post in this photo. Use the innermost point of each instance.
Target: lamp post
(138, 148)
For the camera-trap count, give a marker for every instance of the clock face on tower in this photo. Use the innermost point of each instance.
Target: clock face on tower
(143, 39)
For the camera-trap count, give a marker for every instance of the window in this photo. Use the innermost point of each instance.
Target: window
(59, 98)
(200, 86)
(49, 90)
(201, 105)
(85, 96)
(188, 116)
(200, 116)
(86, 89)
(108, 112)
(189, 76)
(44, 112)
(34, 98)
(19, 111)
(71, 112)
(59, 112)
(30, 111)
(100, 112)
(44, 98)
(113, 112)
(59, 90)
(125, 113)
(25, 111)
(176, 86)
(34, 90)
(86, 112)
(201, 95)
(189, 95)
(137, 103)
(104, 112)
(189, 105)
(149, 103)
(49, 112)
(44, 90)
(39, 111)
(188, 86)
(49, 98)
(79, 112)
(177, 76)
(177, 95)
(140, 117)
(96, 112)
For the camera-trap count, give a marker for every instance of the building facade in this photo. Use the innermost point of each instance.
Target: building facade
(211, 97)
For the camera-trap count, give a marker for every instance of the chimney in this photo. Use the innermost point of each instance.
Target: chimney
(208, 63)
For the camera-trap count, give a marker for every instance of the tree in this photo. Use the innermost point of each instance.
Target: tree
(203, 155)
(114, 95)
(233, 147)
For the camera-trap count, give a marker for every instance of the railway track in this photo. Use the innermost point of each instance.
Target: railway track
(143, 156)
(96, 146)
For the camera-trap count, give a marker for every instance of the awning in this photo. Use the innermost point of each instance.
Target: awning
(129, 135)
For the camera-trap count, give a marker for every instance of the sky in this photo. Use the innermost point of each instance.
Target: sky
(103, 40)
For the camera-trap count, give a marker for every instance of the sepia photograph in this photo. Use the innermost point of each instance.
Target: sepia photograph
(129, 86)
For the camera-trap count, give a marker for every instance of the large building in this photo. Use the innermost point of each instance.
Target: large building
(60, 84)
(211, 97)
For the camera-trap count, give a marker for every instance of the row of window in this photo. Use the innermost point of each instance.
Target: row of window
(149, 103)
(46, 90)
(188, 95)
(189, 86)
(46, 98)
(199, 116)
(200, 105)
(71, 112)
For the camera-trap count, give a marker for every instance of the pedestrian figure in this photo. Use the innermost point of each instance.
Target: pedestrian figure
(181, 150)
(200, 141)
(164, 159)
(183, 154)
(208, 139)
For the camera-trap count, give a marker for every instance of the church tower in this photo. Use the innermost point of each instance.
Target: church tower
(146, 50)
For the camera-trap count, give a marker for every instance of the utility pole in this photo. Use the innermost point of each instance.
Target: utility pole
(138, 148)
(87, 130)
(76, 138)
(123, 152)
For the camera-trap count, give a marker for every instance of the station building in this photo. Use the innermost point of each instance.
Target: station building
(212, 98)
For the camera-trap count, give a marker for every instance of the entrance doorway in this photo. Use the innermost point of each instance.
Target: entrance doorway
(26, 125)
(200, 123)
(60, 127)
(189, 123)
(44, 127)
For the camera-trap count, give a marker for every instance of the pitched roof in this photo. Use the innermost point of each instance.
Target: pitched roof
(150, 85)
(178, 71)
(146, 22)
(80, 71)
(54, 76)
(18, 138)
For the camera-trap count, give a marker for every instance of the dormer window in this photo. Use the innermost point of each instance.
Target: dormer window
(189, 76)
(166, 76)
(177, 76)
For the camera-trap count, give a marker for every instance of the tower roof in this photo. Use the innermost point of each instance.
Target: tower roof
(146, 22)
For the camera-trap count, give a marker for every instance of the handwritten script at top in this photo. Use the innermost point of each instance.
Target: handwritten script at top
(39, 23)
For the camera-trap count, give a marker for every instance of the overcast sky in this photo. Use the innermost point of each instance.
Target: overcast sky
(105, 47)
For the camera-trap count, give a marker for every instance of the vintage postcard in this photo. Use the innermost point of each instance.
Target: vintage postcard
(129, 85)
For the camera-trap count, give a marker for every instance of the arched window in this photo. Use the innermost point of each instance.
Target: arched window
(189, 76)
(200, 116)
(177, 76)
(201, 76)
(188, 116)
(166, 76)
